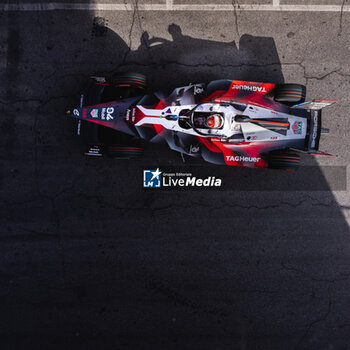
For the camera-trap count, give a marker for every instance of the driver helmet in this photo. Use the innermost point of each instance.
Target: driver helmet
(214, 121)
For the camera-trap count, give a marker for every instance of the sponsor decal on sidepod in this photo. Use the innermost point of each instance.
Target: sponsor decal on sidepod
(249, 88)
(242, 159)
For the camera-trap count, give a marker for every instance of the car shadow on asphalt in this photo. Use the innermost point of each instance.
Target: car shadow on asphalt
(90, 260)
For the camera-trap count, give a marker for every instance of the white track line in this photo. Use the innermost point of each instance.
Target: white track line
(170, 6)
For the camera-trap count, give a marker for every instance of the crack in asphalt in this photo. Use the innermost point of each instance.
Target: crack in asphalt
(180, 299)
(70, 189)
(134, 16)
(236, 205)
(139, 20)
(321, 77)
(64, 75)
(61, 250)
(340, 326)
(28, 100)
(341, 18)
(124, 210)
(310, 77)
(216, 207)
(161, 287)
(35, 100)
(30, 236)
(316, 279)
(36, 180)
(202, 64)
(235, 16)
(316, 321)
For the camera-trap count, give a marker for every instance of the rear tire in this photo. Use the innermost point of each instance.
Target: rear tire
(284, 160)
(290, 94)
(118, 151)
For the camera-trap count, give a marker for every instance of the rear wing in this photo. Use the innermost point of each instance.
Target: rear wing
(315, 123)
(315, 104)
(314, 130)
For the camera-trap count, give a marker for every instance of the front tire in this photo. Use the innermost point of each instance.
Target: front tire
(124, 85)
(130, 79)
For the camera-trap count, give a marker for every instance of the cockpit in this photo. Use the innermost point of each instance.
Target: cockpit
(214, 119)
(208, 120)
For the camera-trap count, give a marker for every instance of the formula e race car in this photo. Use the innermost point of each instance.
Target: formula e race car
(238, 123)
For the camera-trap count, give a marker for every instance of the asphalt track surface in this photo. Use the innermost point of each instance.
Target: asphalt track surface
(89, 260)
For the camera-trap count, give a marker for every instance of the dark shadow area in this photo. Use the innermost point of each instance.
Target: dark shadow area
(91, 261)
(184, 59)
